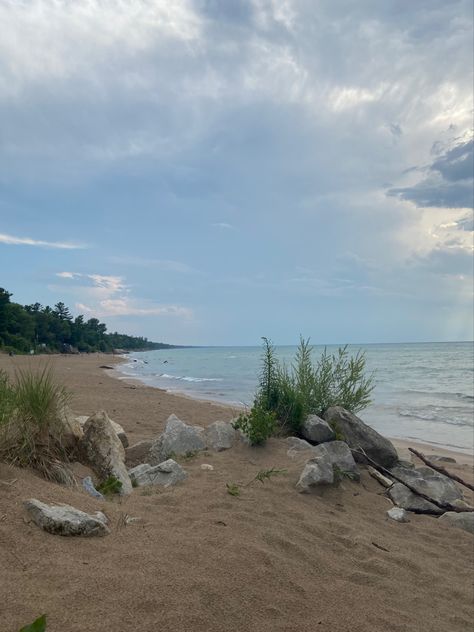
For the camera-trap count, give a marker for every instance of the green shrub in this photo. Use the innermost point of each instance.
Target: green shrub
(257, 425)
(31, 432)
(286, 396)
(110, 486)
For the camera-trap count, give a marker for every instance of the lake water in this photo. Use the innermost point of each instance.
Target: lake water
(424, 391)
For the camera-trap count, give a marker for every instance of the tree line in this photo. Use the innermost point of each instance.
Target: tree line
(24, 328)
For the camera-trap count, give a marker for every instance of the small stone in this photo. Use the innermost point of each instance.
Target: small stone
(206, 466)
(440, 458)
(398, 514)
(88, 485)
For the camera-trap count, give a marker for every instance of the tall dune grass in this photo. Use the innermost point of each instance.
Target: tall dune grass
(31, 422)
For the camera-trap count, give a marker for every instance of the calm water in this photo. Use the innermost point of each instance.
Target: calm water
(423, 391)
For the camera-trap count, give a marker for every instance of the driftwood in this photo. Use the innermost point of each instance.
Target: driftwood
(380, 468)
(441, 469)
(383, 480)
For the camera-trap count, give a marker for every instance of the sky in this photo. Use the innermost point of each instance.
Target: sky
(213, 171)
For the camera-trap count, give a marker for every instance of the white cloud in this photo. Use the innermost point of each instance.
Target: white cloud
(109, 296)
(223, 226)
(11, 240)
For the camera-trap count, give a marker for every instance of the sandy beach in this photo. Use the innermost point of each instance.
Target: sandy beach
(201, 560)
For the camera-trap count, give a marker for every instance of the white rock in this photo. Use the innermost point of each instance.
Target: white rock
(220, 435)
(316, 472)
(206, 466)
(398, 514)
(340, 457)
(178, 438)
(104, 450)
(66, 520)
(121, 434)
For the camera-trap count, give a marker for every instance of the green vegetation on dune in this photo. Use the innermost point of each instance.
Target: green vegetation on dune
(287, 395)
(47, 330)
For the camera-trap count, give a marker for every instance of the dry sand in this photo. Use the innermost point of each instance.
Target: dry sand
(202, 560)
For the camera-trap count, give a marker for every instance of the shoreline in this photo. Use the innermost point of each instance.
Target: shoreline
(401, 443)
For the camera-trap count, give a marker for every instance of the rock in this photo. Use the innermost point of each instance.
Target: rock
(317, 430)
(82, 419)
(299, 445)
(398, 514)
(316, 472)
(206, 466)
(461, 504)
(166, 474)
(137, 453)
(340, 457)
(427, 481)
(403, 497)
(357, 434)
(73, 432)
(104, 450)
(439, 458)
(463, 520)
(220, 435)
(406, 464)
(178, 438)
(65, 520)
(88, 485)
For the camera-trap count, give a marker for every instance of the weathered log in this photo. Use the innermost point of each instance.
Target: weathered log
(441, 469)
(380, 468)
(383, 480)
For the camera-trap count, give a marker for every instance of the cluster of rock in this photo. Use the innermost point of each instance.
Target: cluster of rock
(335, 444)
(102, 444)
(331, 459)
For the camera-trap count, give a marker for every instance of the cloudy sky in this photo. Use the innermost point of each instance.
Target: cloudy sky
(211, 171)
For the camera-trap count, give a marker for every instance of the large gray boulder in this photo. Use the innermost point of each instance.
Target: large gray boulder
(121, 434)
(317, 471)
(65, 520)
(104, 451)
(340, 457)
(357, 434)
(463, 520)
(220, 435)
(178, 438)
(166, 474)
(425, 480)
(317, 430)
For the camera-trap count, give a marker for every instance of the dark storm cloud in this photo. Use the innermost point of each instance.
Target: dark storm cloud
(450, 182)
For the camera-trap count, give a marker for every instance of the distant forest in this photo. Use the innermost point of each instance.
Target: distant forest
(53, 329)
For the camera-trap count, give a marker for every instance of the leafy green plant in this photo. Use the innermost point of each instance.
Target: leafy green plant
(264, 475)
(110, 486)
(233, 489)
(257, 425)
(39, 625)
